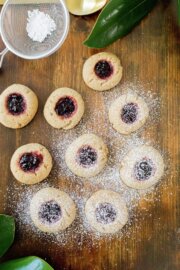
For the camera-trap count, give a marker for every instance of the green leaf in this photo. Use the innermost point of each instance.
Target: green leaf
(27, 263)
(116, 20)
(7, 232)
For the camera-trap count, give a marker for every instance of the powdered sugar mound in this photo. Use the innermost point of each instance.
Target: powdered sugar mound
(39, 25)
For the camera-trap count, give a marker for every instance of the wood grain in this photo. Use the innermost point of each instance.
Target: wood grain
(150, 55)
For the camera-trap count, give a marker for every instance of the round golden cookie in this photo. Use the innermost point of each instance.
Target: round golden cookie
(102, 71)
(18, 106)
(106, 211)
(64, 108)
(31, 163)
(52, 210)
(87, 155)
(142, 167)
(128, 113)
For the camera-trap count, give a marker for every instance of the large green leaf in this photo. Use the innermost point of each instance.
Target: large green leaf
(116, 20)
(27, 263)
(7, 231)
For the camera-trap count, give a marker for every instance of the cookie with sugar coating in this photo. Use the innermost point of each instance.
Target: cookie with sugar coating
(128, 113)
(52, 210)
(142, 167)
(87, 155)
(106, 211)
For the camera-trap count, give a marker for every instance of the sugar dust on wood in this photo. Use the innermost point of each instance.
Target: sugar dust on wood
(80, 232)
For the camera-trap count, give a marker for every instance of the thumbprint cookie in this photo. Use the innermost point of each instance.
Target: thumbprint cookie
(31, 163)
(52, 210)
(142, 167)
(102, 71)
(18, 106)
(128, 113)
(87, 155)
(64, 108)
(106, 211)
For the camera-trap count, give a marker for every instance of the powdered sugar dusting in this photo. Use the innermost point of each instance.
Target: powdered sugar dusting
(138, 202)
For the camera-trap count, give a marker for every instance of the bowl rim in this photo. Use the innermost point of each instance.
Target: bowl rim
(43, 55)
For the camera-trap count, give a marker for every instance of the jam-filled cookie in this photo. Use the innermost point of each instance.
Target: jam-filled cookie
(64, 108)
(102, 71)
(128, 113)
(18, 106)
(87, 155)
(106, 211)
(52, 210)
(31, 163)
(142, 167)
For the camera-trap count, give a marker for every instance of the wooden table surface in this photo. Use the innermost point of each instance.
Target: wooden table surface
(150, 56)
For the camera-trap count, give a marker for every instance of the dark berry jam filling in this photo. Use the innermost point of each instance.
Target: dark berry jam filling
(129, 113)
(103, 69)
(50, 212)
(87, 156)
(29, 162)
(65, 107)
(16, 104)
(105, 213)
(144, 169)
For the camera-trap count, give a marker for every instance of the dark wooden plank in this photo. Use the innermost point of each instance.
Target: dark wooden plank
(150, 55)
